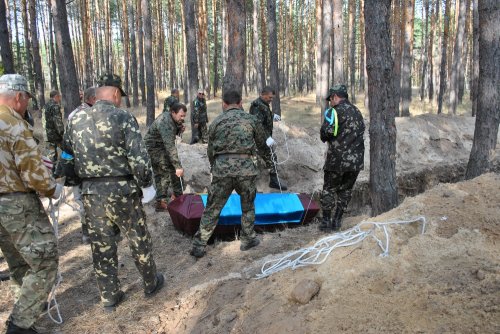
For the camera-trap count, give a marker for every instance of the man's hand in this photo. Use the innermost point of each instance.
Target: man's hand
(179, 172)
(270, 142)
(276, 118)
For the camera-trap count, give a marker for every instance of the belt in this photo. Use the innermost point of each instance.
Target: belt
(235, 155)
(118, 178)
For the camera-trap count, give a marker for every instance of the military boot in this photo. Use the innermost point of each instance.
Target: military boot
(273, 182)
(197, 252)
(325, 224)
(337, 219)
(13, 329)
(251, 244)
(161, 205)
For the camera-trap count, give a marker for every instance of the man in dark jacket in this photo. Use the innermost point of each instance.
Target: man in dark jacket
(343, 130)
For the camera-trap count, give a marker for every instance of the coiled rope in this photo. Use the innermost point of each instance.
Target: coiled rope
(319, 252)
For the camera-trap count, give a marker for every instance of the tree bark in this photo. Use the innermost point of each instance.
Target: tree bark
(273, 54)
(27, 44)
(362, 69)
(192, 62)
(319, 42)
(256, 53)
(430, 56)
(406, 85)
(66, 62)
(5, 46)
(338, 43)
(37, 60)
(383, 107)
(475, 59)
(126, 51)
(148, 62)
(424, 47)
(324, 49)
(352, 50)
(488, 112)
(133, 54)
(216, 46)
(171, 19)
(397, 33)
(444, 43)
(140, 46)
(236, 29)
(457, 56)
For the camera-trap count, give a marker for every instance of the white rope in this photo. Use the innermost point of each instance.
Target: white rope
(286, 144)
(52, 301)
(319, 252)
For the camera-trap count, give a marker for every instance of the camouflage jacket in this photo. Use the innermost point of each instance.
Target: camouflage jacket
(346, 150)
(169, 101)
(262, 111)
(21, 167)
(52, 122)
(199, 111)
(235, 132)
(79, 108)
(106, 142)
(160, 138)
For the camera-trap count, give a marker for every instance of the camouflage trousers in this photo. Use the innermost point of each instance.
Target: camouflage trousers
(199, 134)
(77, 196)
(29, 245)
(337, 189)
(220, 190)
(107, 216)
(269, 156)
(166, 182)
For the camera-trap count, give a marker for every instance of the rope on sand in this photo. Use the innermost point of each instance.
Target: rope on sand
(319, 252)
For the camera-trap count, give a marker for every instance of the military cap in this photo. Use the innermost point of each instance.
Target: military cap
(335, 90)
(201, 91)
(14, 82)
(113, 80)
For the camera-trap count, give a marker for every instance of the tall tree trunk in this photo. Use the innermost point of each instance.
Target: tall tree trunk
(430, 56)
(190, 41)
(273, 54)
(383, 107)
(126, 51)
(263, 40)
(148, 61)
(6, 51)
(236, 29)
(140, 46)
(27, 44)
(352, 45)
(256, 53)
(466, 50)
(324, 49)
(319, 41)
(107, 38)
(362, 47)
(442, 71)
(457, 56)
(216, 46)
(338, 43)
(488, 111)
(18, 45)
(66, 62)
(133, 54)
(406, 85)
(171, 19)
(397, 33)
(87, 33)
(475, 56)
(53, 55)
(424, 47)
(37, 60)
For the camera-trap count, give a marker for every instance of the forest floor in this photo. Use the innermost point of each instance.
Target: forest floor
(445, 280)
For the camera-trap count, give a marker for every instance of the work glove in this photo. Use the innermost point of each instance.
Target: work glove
(179, 172)
(270, 142)
(57, 193)
(276, 118)
(148, 194)
(47, 162)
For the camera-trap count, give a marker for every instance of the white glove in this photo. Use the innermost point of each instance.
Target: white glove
(276, 118)
(57, 193)
(270, 142)
(148, 194)
(47, 162)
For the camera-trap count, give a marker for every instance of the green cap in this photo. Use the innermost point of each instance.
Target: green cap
(110, 79)
(14, 82)
(335, 90)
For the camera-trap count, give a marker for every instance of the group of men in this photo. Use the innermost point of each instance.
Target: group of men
(118, 171)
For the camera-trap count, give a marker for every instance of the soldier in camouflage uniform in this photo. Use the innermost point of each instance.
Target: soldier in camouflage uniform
(89, 99)
(111, 159)
(234, 139)
(27, 238)
(199, 119)
(160, 143)
(53, 123)
(171, 100)
(343, 130)
(261, 109)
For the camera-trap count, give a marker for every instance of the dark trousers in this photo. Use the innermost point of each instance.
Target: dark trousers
(337, 189)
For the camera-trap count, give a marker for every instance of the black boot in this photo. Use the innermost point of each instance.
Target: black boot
(273, 182)
(325, 224)
(13, 329)
(337, 219)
